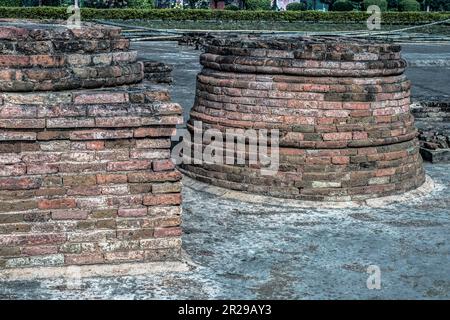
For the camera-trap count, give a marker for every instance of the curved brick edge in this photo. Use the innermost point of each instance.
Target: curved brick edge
(30, 37)
(157, 72)
(321, 137)
(57, 79)
(318, 48)
(66, 60)
(419, 194)
(29, 29)
(309, 112)
(24, 47)
(341, 107)
(86, 177)
(303, 67)
(324, 175)
(318, 56)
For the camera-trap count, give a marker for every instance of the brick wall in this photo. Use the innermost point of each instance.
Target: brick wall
(341, 107)
(85, 169)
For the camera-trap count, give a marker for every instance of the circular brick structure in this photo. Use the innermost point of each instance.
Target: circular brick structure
(341, 107)
(49, 56)
(85, 169)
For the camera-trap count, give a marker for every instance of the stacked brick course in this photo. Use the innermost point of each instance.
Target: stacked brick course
(341, 106)
(157, 72)
(433, 121)
(85, 169)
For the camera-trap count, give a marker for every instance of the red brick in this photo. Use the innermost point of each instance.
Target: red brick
(163, 165)
(69, 214)
(132, 212)
(95, 145)
(84, 258)
(337, 136)
(96, 134)
(12, 170)
(340, 160)
(136, 177)
(99, 98)
(39, 250)
(162, 199)
(154, 132)
(111, 178)
(129, 165)
(56, 203)
(42, 168)
(167, 232)
(358, 135)
(20, 183)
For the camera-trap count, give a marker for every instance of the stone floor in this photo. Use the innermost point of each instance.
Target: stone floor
(242, 250)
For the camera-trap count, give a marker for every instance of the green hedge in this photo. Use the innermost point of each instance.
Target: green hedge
(10, 3)
(225, 15)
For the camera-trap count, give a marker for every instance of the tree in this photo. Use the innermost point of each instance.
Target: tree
(437, 5)
(408, 5)
(392, 4)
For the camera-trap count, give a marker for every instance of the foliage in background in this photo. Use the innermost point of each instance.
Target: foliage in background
(140, 4)
(258, 4)
(103, 4)
(408, 5)
(10, 3)
(231, 7)
(437, 5)
(342, 5)
(382, 4)
(412, 18)
(392, 4)
(297, 6)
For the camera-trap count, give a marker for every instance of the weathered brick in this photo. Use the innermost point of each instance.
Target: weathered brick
(167, 232)
(39, 250)
(83, 259)
(162, 199)
(104, 213)
(132, 212)
(79, 180)
(21, 183)
(69, 214)
(166, 187)
(56, 203)
(154, 132)
(137, 177)
(111, 178)
(163, 165)
(129, 165)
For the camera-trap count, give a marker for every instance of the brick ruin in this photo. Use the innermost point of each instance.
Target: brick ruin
(433, 121)
(85, 169)
(341, 106)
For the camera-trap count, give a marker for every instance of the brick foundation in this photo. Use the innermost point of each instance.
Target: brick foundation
(85, 174)
(341, 107)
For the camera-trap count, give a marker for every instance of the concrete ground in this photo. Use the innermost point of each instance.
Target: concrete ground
(250, 250)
